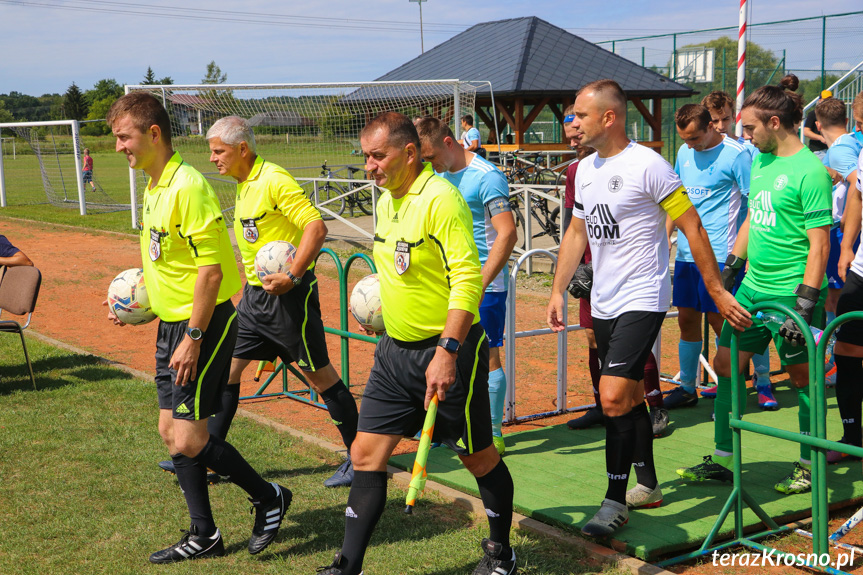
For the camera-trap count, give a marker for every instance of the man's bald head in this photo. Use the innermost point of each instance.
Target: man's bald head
(608, 95)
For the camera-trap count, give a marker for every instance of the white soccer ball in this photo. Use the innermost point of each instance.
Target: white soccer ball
(274, 258)
(366, 304)
(127, 298)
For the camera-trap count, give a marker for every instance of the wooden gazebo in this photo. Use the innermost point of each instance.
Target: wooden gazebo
(531, 65)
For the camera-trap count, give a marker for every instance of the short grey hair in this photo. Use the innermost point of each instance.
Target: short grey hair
(233, 130)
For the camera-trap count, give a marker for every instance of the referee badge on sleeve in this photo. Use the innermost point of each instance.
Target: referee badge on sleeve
(250, 230)
(402, 257)
(155, 244)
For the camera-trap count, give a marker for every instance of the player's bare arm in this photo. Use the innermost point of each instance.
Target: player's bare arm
(314, 235)
(21, 259)
(504, 224)
(819, 251)
(690, 224)
(185, 358)
(572, 247)
(440, 373)
(851, 231)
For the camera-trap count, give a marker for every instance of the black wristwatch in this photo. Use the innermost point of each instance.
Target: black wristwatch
(195, 333)
(297, 280)
(450, 344)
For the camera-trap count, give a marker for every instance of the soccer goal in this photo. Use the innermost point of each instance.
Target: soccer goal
(312, 130)
(42, 164)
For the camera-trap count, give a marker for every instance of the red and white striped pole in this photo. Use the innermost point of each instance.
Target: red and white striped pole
(741, 66)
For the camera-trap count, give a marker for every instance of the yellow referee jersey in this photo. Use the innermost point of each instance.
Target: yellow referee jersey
(270, 206)
(182, 229)
(426, 258)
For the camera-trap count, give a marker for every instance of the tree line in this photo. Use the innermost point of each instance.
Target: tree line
(83, 105)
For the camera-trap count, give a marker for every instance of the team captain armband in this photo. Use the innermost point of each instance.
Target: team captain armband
(497, 206)
(676, 203)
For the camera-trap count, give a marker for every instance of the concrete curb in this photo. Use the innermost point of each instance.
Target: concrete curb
(473, 504)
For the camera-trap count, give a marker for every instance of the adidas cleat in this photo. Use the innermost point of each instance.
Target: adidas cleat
(641, 497)
(708, 469)
(268, 518)
(798, 481)
(610, 516)
(492, 563)
(191, 546)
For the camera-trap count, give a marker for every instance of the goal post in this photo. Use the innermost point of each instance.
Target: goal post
(46, 154)
(301, 127)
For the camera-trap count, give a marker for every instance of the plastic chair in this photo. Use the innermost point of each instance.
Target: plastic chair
(19, 289)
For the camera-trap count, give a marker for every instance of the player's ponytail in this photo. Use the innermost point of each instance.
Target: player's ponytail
(781, 101)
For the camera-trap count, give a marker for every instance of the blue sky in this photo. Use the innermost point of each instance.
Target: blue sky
(48, 44)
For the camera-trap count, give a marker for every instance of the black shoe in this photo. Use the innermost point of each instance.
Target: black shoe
(344, 475)
(659, 421)
(191, 546)
(167, 465)
(334, 568)
(492, 564)
(591, 417)
(268, 518)
(679, 397)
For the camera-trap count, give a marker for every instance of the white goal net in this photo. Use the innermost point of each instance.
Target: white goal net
(312, 130)
(41, 163)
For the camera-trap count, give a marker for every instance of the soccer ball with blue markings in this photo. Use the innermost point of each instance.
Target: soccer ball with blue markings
(127, 298)
(274, 258)
(366, 304)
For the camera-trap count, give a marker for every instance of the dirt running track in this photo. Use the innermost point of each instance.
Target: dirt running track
(77, 266)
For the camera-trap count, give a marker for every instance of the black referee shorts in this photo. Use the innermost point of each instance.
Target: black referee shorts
(624, 343)
(202, 397)
(851, 299)
(288, 326)
(394, 397)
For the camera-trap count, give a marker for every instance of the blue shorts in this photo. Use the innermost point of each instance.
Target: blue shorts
(832, 271)
(492, 316)
(690, 291)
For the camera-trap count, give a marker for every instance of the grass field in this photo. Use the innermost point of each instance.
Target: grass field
(26, 196)
(82, 493)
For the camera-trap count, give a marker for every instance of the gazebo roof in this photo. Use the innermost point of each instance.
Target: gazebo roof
(531, 57)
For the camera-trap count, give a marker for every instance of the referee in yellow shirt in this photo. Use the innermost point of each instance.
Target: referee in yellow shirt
(431, 284)
(281, 315)
(191, 274)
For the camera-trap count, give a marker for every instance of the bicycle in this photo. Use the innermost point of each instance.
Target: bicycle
(361, 199)
(528, 171)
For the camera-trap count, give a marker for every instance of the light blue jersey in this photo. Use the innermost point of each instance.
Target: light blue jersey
(472, 135)
(842, 156)
(716, 181)
(744, 201)
(481, 183)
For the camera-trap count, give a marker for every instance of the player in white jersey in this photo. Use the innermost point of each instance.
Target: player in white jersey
(486, 191)
(721, 108)
(623, 193)
(848, 351)
(715, 171)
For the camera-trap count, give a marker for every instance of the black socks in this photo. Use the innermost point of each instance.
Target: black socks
(620, 437)
(849, 396)
(642, 455)
(192, 477)
(343, 411)
(224, 459)
(220, 423)
(365, 505)
(495, 488)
